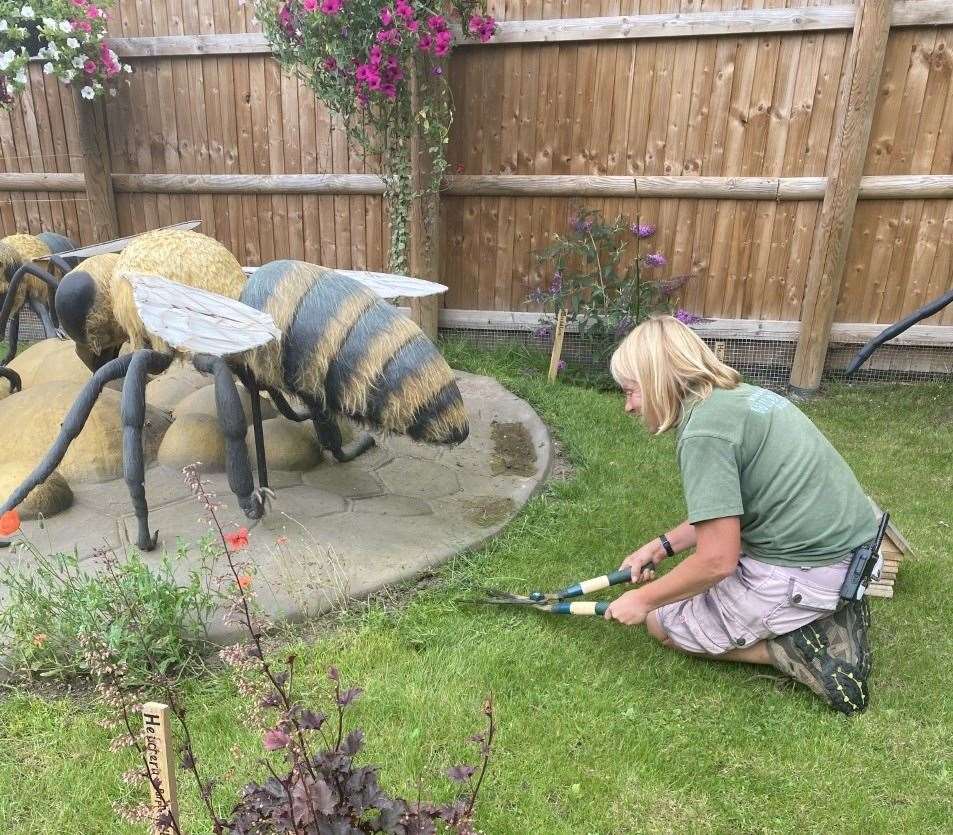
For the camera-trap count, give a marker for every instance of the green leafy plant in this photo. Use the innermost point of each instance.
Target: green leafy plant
(68, 35)
(53, 603)
(380, 66)
(604, 290)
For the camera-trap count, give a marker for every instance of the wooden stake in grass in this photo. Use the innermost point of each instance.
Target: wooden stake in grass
(557, 344)
(159, 750)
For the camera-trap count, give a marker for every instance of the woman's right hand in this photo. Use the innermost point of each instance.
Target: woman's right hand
(643, 562)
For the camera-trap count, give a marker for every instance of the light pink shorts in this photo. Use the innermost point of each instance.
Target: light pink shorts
(758, 601)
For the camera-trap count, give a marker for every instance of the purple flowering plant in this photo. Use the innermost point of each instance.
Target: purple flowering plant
(379, 65)
(604, 286)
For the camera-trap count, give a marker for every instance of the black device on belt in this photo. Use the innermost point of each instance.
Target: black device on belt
(865, 564)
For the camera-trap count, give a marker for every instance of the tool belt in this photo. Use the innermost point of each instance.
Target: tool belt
(865, 565)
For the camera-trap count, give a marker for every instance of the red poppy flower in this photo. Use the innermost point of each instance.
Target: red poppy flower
(244, 581)
(238, 540)
(9, 523)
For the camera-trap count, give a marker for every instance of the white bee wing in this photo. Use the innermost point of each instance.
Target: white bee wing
(387, 285)
(196, 321)
(117, 245)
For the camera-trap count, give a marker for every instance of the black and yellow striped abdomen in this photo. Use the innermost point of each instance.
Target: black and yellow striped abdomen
(348, 350)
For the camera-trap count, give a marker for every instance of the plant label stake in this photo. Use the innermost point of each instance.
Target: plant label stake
(557, 344)
(159, 750)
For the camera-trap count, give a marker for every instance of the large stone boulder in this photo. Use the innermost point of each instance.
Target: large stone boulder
(194, 437)
(50, 498)
(45, 362)
(169, 389)
(288, 446)
(202, 402)
(30, 422)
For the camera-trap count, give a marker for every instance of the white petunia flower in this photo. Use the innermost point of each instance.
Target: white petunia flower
(87, 93)
(53, 51)
(126, 68)
(68, 76)
(27, 13)
(47, 68)
(66, 26)
(7, 58)
(41, 52)
(49, 23)
(21, 76)
(4, 26)
(78, 62)
(72, 43)
(112, 91)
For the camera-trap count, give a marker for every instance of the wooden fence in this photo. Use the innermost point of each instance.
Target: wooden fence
(713, 119)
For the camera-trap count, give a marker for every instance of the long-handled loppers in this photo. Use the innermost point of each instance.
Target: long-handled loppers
(562, 602)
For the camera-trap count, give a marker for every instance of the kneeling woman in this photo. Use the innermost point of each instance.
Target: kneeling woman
(774, 515)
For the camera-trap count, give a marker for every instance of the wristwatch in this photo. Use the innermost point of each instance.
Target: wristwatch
(669, 550)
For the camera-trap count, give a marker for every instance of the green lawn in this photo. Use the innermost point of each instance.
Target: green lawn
(601, 731)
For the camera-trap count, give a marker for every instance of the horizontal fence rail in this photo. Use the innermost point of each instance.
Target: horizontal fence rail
(893, 187)
(631, 27)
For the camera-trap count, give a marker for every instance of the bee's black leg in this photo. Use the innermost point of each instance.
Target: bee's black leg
(285, 408)
(330, 436)
(19, 276)
(250, 383)
(16, 384)
(231, 417)
(72, 425)
(144, 363)
(13, 337)
(49, 329)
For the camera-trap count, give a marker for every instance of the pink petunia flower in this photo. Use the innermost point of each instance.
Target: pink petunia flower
(386, 16)
(89, 67)
(331, 7)
(309, 5)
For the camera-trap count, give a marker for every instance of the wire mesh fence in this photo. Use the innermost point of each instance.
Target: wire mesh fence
(763, 362)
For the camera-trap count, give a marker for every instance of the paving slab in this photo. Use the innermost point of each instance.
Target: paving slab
(338, 530)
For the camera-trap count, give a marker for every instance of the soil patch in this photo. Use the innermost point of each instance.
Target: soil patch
(487, 511)
(513, 450)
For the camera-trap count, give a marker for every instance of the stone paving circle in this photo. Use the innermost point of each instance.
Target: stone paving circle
(337, 530)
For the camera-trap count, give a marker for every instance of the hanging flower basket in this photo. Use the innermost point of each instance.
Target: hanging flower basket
(69, 36)
(381, 67)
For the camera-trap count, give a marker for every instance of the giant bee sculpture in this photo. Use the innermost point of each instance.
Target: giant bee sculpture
(24, 283)
(897, 328)
(294, 330)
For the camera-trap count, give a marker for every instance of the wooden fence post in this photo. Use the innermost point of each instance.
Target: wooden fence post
(858, 97)
(424, 229)
(104, 221)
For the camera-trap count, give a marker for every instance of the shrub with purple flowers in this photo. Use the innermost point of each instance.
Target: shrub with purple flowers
(604, 289)
(379, 64)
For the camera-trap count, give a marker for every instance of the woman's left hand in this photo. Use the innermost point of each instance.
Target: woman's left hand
(628, 608)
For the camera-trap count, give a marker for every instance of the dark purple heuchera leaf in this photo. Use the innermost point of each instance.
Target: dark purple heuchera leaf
(275, 739)
(420, 825)
(334, 674)
(460, 773)
(187, 761)
(353, 743)
(350, 695)
(311, 721)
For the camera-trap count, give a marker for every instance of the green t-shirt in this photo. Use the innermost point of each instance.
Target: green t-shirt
(751, 453)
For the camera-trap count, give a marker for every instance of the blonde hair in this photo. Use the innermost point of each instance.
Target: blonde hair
(672, 367)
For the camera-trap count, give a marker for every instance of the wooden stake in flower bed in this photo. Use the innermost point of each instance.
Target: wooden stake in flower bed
(159, 751)
(557, 345)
